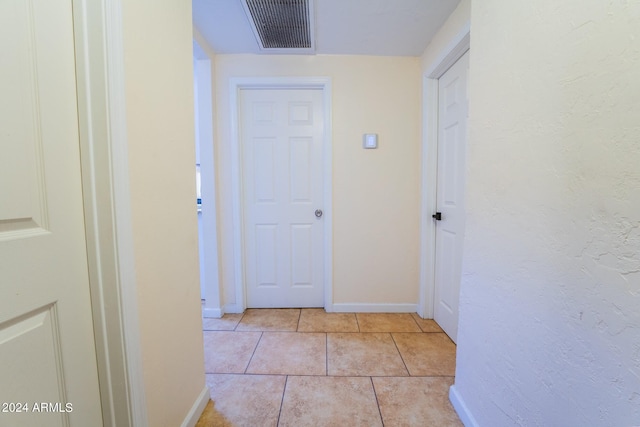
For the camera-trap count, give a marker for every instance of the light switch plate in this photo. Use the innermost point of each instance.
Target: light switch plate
(370, 140)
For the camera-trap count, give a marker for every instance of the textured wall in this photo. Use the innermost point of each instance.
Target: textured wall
(550, 301)
(375, 192)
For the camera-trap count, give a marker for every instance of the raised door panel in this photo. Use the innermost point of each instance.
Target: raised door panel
(30, 351)
(264, 170)
(300, 176)
(23, 209)
(266, 255)
(301, 255)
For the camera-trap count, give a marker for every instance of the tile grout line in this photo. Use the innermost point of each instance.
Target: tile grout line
(284, 390)
(240, 320)
(375, 394)
(406, 336)
(428, 332)
(258, 374)
(400, 353)
(416, 322)
(253, 353)
(326, 354)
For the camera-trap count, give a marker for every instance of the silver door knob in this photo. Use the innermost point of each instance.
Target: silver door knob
(318, 213)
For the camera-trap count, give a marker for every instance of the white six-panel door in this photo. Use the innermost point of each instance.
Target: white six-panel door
(452, 137)
(47, 349)
(281, 136)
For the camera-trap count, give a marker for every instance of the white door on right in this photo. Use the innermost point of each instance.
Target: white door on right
(450, 215)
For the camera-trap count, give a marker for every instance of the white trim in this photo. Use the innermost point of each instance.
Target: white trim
(236, 84)
(236, 202)
(233, 308)
(374, 308)
(328, 197)
(461, 408)
(122, 213)
(460, 43)
(197, 409)
(428, 193)
(454, 51)
(215, 313)
(105, 174)
(202, 44)
(210, 269)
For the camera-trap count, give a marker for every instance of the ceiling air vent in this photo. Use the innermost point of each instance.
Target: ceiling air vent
(282, 26)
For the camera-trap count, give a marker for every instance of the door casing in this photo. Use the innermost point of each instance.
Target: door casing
(206, 139)
(105, 183)
(459, 45)
(237, 84)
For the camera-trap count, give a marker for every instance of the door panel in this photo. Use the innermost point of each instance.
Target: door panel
(264, 170)
(301, 255)
(281, 141)
(452, 135)
(47, 349)
(266, 249)
(301, 151)
(23, 198)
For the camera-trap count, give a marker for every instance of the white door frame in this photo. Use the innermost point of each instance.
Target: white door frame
(459, 45)
(203, 73)
(237, 84)
(108, 222)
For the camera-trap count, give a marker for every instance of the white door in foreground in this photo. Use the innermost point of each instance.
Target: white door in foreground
(48, 364)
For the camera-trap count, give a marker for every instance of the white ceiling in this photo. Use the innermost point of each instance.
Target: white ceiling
(354, 27)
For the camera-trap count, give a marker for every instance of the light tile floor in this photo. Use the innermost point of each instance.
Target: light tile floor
(306, 367)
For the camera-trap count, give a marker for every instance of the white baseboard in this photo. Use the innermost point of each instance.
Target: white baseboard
(233, 308)
(374, 308)
(215, 313)
(461, 408)
(337, 308)
(197, 409)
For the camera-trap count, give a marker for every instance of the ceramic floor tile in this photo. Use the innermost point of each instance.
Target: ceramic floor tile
(209, 417)
(245, 400)
(387, 322)
(416, 401)
(363, 354)
(427, 354)
(318, 320)
(228, 352)
(427, 325)
(290, 353)
(329, 401)
(265, 319)
(228, 322)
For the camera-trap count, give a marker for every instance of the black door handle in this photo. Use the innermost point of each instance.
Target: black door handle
(437, 216)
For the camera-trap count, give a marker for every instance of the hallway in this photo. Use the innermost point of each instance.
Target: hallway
(298, 367)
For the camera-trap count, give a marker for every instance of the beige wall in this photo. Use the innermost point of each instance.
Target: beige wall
(375, 192)
(160, 132)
